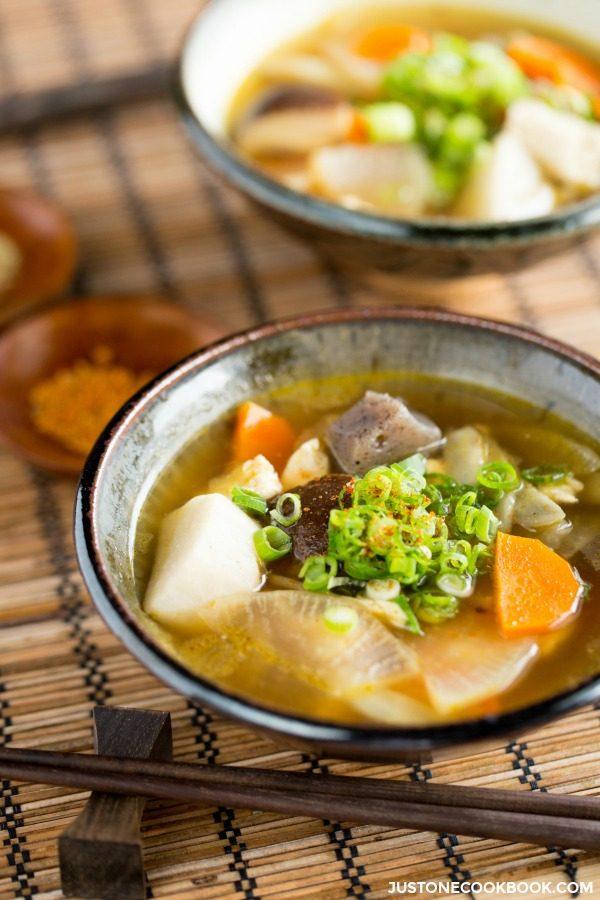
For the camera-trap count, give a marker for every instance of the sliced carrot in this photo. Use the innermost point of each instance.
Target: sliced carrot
(540, 57)
(385, 42)
(535, 589)
(358, 129)
(258, 430)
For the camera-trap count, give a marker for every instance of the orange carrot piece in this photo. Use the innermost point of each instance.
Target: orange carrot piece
(358, 129)
(385, 42)
(258, 430)
(535, 589)
(540, 57)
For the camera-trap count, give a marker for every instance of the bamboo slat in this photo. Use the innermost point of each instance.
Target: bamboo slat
(151, 218)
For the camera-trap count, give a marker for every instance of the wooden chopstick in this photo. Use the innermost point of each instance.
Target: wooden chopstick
(536, 818)
(29, 109)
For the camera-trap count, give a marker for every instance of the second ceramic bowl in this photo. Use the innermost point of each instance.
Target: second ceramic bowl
(230, 37)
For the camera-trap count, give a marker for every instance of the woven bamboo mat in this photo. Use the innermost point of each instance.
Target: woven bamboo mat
(151, 218)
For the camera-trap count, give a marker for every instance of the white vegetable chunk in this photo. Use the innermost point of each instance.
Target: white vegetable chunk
(289, 628)
(390, 707)
(394, 178)
(308, 462)
(534, 510)
(465, 661)
(256, 474)
(505, 184)
(205, 550)
(563, 144)
(467, 449)
(565, 492)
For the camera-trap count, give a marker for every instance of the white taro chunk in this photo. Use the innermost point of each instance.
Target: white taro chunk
(467, 449)
(566, 146)
(392, 178)
(256, 474)
(289, 628)
(378, 430)
(533, 509)
(505, 184)
(205, 550)
(308, 462)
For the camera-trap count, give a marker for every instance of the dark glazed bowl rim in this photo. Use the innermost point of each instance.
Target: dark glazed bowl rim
(126, 626)
(572, 219)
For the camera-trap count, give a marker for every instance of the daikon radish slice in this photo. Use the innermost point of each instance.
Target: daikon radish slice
(466, 661)
(330, 642)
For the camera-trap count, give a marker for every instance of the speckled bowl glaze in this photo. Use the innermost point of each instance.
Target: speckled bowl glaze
(152, 429)
(230, 37)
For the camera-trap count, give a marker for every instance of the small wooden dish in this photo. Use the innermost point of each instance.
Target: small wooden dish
(46, 243)
(145, 334)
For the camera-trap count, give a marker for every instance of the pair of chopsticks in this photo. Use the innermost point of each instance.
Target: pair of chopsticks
(32, 108)
(530, 817)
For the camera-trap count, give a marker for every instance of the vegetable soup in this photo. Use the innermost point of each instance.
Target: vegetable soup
(427, 111)
(387, 548)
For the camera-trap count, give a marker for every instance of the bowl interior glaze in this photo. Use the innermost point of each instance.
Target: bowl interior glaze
(154, 428)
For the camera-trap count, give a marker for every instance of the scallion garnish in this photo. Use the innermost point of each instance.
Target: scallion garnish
(382, 589)
(455, 585)
(434, 608)
(474, 520)
(340, 619)
(294, 506)
(498, 476)
(412, 623)
(249, 501)
(318, 573)
(272, 543)
(546, 474)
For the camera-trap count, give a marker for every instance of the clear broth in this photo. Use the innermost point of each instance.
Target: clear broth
(569, 656)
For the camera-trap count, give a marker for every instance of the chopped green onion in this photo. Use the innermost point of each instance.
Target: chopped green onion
(434, 608)
(340, 619)
(290, 518)
(412, 623)
(453, 562)
(249, 501)
(472, 520)
(382, 589)
(486, 525)
(415, 463)
(318, 572)
(272, 543)
(405, 568)
(455, 585)
(498, 476)
(389, 123)
(546, 474)
(364, 568)
(465, 512)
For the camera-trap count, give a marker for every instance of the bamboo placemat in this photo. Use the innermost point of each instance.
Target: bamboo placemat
(151, 218)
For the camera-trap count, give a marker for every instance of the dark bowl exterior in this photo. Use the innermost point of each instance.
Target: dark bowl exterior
(324, 738)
